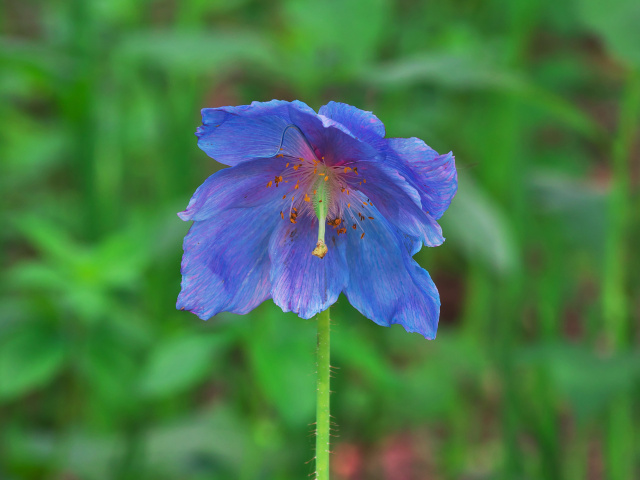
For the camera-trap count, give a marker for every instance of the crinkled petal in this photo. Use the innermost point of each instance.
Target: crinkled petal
(332, 139)
(364, 125)
(241, 186)
(387, 285)
(434, 176)
(301, 282)
(226, 264)
(233, 135)
(398, 202)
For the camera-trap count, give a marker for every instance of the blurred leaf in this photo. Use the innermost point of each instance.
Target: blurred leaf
(618, 23)
(477, 225)
(588, 381)
(282, 358)
(29, 358)
(475, 70)
(178, 364)
(346, 36)
(195, 52)
(580, 207)
(209, 441)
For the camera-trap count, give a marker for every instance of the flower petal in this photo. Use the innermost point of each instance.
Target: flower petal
(233, 135)
(398, 202)
(244, 185)
(226, 265)
(387, 285)
(364, 125)
(301, 282)
(332, 140)
(434, 176)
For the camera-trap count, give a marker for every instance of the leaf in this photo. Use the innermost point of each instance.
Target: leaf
(474, 70)
(618, 23)
(195, 52)
(478, 227)
(29, 359)
(178, 364)
(281, 351)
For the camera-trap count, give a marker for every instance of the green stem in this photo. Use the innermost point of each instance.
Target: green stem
(322, 409)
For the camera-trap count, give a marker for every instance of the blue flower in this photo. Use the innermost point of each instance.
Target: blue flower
(314, 205)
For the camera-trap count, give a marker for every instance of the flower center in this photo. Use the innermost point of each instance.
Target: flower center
(329, 193)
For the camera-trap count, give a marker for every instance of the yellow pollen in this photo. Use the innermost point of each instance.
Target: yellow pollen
(296, 167)
(326, 178)
(315, 170)
(296, 187)
(348, 205)
(306, 198)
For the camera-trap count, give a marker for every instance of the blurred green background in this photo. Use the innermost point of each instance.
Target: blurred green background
(535, 372)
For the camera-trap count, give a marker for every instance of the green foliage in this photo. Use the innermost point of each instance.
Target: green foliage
(535, 370)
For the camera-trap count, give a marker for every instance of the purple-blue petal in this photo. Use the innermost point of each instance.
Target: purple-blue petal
(301, 282)
(434, 176)
(241, 186)
(364, 125)
(332, 140)
(398, 202)
(232, 135)
(387, 285)
(225, 266)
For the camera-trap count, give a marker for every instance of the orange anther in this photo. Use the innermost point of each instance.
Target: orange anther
(347, 169)
(280, 155)
(364, 180)
(370, 218)
(355, 170)
(269, 184)
(296, 187)
(326, 178)
(296, 167)
(306, 198)
(354, 226)
(282, 215)
(348, 205)
(286, 165)
(284, 196)
(362, 236)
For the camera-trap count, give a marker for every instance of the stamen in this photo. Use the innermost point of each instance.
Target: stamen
(269, 184)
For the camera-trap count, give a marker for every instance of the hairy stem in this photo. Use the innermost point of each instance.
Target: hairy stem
(322, 408)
